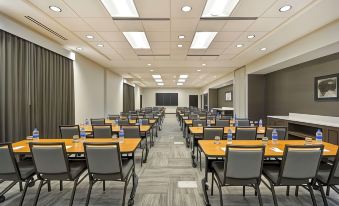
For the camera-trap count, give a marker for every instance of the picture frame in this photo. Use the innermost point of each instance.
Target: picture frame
(228, 96)
(326, 88)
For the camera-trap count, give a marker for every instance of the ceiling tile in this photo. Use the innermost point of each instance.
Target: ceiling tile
(143, 51)
(188, 35)
(297, 5)
(153, 8)
(227, 36)
(159, 45)
(214, 51)
(250, 8)
(197, 51)
(146, 57)
(162, 57)
(209, 25)
(158, 36)
(197, 8)
(88, 8)
(74, 24)
(258, 35)
(129, 25)
(83, 34)
(266, 24)
(184, 24)
(44, 6)
(112, 36)
(101, 24)
(120, 45)
(237, 25)
(219, 45)
(209, 57)
(156, 25)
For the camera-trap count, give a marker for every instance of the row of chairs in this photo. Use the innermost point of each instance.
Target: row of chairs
(121, 121)
(103, 162)
(221, 122)
(301, 166)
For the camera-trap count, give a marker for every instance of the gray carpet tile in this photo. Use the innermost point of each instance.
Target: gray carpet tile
(167, 164)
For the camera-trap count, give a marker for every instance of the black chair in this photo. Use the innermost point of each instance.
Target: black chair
(113, 116)
(193, 116)
(328, 175)
(149, 116)
(144, 121)
(245, 133)
(222, 123)
(68, 131)
(123, 122)
(134, 132)
(226, 117)
(299, 167)
(104, 163)
(102, 131)
(197, 122)
(243, 123)
(59, 169)
(15, 172)
(282, 132)
(242, 167)
(100, 121)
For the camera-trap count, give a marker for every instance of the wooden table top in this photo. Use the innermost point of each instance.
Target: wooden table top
(211, 149)
(116, 128)
(132, 121)
(128, 146)
(200, 130)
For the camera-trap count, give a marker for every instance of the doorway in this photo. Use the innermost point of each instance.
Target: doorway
(193, 100)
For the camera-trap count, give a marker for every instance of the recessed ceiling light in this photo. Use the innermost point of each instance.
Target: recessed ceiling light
(151, 70)
(219, 8)
(250, 36)
(55, 8)
(79, 48)
(179, 84)
(90, 37)
(118, 8)
(137, 40)
(285, 8)
(100, 45)
(149, 64)
(263, 49)
(156, 76)
(183, 76)
(179, 45)
(181, 37)
(181, 80)
(202, 40)
(158, 80)
(239, 45)
(161, 84)
(186, 8)
(203, 65)
(198, 70)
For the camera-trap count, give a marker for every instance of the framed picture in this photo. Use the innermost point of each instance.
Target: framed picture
(326, 87)
(228, 96)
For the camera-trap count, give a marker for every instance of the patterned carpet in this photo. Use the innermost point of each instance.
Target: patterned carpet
(168, 163)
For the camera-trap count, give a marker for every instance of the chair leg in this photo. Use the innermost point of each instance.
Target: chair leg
(274, 195)
(296, 191)
(142, 156)
(38, 193)
(323, 194)
(20, 186)
(24, 192)
(89, 192)
(310, 188)
(61, 185)
(73, 192)
(124, 197)
(49, 185)
(243, 190)
(328, 191)
(103, 185)
(288, 191)
(220, 194)
(259, 194)
(200, 161)
(212, 183)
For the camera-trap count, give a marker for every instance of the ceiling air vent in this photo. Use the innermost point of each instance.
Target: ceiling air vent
(46, 27)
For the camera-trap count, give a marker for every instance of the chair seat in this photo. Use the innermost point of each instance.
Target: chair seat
(127, 165)
(324, 172)
(271, 172)
(76, 168)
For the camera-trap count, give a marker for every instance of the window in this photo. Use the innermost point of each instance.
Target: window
(166, 99)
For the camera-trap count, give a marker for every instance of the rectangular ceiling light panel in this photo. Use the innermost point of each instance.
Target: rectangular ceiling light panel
(202, 40)
(219, 8)
(137, 40)
(158, 80)
(156, 76)
(120, 8)
(183, 76)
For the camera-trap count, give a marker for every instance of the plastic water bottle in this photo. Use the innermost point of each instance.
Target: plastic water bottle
(121, 135)
(319, 136)
(35, 133)
(87, 121)
(208, 123)
(235, 116)
(229, 136)
(274, 136)
(82, 132)
(260, 122)
(236, 123)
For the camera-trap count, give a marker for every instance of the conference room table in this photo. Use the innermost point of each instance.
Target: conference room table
(213, 150)
(197, 132)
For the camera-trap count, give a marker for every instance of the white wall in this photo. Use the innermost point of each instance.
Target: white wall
(148, 97)
(114, 93)
(137, 93)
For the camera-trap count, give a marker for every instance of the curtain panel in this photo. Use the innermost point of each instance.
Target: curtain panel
(36, 89)
(128, 98)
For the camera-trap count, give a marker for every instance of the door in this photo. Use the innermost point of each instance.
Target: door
(193, 100)
(140, 101)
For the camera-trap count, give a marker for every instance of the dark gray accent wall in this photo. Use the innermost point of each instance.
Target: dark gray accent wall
(212, 98)
(291, 90)
(221, 96)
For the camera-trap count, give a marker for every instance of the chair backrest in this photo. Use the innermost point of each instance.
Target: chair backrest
(102, 131)
(243, 162)
(193, 116)
(99, 121)
(210, 117)
(334, 175)
(68, 131)
(282, 131)
(222, 123)
(243, 123)
(246, 133)
(226, 117)
(8, 162)
(144, 121)
(196, 122)
(202, 114)
(103, 158)
(49, 158)
(149, 116)
(211, 132)
(131, 131)
(123, 122)
(300, 162)
(133, 117)
(113, 116)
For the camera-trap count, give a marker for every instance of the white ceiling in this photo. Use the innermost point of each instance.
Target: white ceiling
(88, 17)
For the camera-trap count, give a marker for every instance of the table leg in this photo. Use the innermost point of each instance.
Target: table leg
(204, 183)
(194, 164)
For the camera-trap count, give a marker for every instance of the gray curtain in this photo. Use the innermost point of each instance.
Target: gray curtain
(128, 98)
(36, 89)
